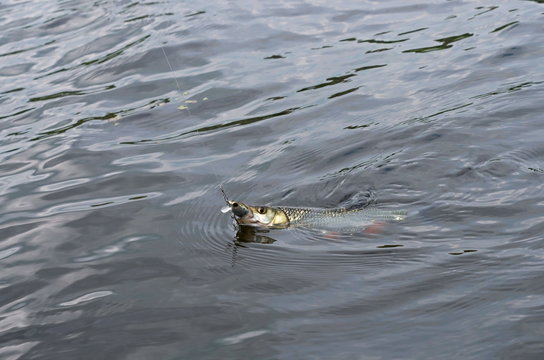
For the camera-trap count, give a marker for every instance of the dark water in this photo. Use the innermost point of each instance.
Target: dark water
(112, 245)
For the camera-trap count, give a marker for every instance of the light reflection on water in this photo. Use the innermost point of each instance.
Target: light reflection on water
(119, 121)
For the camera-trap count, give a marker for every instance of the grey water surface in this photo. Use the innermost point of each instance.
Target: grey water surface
(120, 119)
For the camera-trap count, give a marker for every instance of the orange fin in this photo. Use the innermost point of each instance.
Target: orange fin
(375, 228)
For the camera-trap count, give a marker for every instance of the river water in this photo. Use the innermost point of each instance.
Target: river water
(120, 119)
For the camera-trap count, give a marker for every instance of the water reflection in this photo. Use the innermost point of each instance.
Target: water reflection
(446, 44)
(251, 234)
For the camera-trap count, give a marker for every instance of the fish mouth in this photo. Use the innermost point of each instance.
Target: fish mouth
(243, 213)
(238, 209)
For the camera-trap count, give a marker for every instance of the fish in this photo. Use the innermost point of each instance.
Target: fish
(282, 217)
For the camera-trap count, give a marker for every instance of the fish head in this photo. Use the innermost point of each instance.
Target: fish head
(258, 215)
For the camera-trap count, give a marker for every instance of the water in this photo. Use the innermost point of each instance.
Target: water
(112, 243)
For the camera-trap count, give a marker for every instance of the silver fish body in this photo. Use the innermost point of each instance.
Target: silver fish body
(340, 218)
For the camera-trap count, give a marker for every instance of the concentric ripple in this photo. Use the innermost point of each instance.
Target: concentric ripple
(296, 248)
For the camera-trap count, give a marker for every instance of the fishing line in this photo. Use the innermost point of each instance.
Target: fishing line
(171, 69)
(223, 192)
(235, 224)
(225, 197)
(179, 90)
(187, 108)
(175, 79)
(227, 201)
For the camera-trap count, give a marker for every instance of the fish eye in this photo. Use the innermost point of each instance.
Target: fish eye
(235, 205)
(261, 210)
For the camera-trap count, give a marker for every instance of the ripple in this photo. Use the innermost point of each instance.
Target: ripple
(231, 340)
(9, 251)
(87, 297)
(433, 107)
(528, 160)
(111, 250)
(61, 185)
(298, 248)
(85, 205)
(330, 82)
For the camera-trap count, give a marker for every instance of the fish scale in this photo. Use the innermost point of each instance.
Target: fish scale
(340, 218)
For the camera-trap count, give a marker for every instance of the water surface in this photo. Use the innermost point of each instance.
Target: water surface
(119, 120)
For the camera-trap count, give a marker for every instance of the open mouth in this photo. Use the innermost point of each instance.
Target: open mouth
(242, 213)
